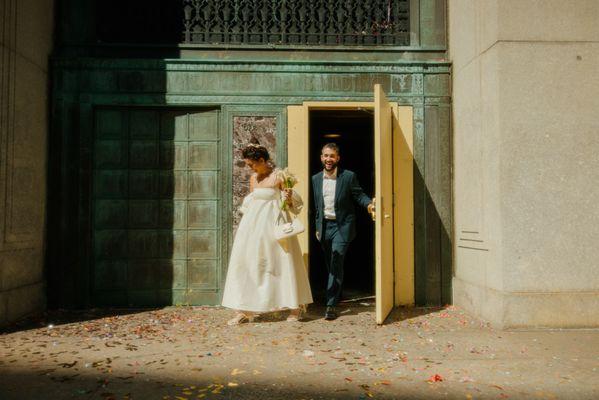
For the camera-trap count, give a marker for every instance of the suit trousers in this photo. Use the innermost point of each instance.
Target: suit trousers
(335, 248)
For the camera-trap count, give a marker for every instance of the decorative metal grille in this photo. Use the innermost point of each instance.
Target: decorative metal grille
(297, 22)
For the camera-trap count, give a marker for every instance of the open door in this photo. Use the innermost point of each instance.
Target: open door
(393, 160)
(383, 164)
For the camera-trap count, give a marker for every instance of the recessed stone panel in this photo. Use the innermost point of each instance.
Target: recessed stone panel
(202, 244)
(203, 214)
(142, 298)
(110, 275)
(110, 244)
(203, 155)
(109, 124)
(143, 243)
(144, 124)
(150, 274)
(174, 125)
(203, 184)
(173, 184)
(172, 214)
(111, 183)
(203, 126)
(110, 298)
(173, 155)
(172, 244)
(143, 184)
(110, 154)
(143, 214)
(143, 154)
(110, 214)
(179, 297)
(436, 84)
(179, 280)
(202, 274)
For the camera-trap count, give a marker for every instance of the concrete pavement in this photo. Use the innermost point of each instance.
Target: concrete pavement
(190, 353)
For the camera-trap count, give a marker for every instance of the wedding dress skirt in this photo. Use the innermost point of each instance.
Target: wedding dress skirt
(264, 274)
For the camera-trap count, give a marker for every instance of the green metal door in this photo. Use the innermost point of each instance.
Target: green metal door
(157, 198)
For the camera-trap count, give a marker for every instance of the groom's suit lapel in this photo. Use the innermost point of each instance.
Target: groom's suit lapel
(340, 180)
(319, 182)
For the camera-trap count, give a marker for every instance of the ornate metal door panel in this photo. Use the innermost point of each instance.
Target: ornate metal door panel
(296, 23)
(156, 207)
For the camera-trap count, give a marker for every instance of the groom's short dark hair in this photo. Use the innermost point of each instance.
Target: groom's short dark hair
(332, 146)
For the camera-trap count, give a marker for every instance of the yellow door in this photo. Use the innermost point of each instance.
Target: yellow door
(393, 161)
(298, 146)
(383, 164)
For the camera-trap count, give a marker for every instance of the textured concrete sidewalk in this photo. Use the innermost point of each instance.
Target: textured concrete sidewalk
(190, 353)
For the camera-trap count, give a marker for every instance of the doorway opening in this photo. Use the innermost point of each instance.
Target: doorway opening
(353, 131)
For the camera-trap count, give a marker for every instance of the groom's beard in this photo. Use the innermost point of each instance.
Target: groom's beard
(329, 167)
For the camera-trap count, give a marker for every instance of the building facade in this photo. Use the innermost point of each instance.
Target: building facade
(151, 102)
(149, 116)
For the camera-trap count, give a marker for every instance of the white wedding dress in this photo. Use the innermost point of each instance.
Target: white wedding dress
(265, 274)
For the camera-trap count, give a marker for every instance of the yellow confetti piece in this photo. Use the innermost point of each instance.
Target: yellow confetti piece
(237, 372)
(233, 384)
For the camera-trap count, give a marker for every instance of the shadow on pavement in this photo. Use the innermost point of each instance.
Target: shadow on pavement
(62, 317)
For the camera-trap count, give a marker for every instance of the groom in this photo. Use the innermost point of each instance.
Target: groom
(335, 191)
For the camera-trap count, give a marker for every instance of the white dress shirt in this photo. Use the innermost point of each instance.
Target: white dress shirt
(329, 183)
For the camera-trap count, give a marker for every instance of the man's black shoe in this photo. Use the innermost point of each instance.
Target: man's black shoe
(330, 314)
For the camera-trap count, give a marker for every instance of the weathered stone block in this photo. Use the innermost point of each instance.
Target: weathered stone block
(25, 300)
(20, 267)
(35, 29)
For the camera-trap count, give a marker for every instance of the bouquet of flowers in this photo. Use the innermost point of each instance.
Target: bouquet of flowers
(289, 181)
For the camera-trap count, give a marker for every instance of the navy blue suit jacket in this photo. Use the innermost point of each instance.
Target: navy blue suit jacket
(347, 192)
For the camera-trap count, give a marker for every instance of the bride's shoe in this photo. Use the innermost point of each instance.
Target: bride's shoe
(295, 315)
(240, 318)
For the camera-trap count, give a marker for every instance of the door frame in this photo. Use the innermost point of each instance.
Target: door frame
(298, 161)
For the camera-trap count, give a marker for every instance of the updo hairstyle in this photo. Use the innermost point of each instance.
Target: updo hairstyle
(255, 152)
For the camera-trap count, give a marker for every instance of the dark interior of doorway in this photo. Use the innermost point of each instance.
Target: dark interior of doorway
(353, 131)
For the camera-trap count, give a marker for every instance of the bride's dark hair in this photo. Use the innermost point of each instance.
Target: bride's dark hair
(254, 151)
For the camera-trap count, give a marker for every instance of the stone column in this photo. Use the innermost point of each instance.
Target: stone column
(526, 160)
(26, 32)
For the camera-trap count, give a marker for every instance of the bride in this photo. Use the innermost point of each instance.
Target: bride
(265, 274)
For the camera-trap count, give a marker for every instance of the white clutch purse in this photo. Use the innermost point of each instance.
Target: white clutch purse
(284, 230)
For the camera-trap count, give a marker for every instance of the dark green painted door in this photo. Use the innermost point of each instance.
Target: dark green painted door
(157, 199)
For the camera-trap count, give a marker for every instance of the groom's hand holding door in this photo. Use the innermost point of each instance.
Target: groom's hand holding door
(372, 209)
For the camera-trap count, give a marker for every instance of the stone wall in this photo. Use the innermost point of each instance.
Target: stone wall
(26, 41)
(525, 101)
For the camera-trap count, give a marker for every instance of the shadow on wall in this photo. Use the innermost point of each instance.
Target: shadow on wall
(432, 225)
(135, 209)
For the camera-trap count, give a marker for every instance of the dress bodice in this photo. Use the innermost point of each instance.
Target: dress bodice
(266, 193)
